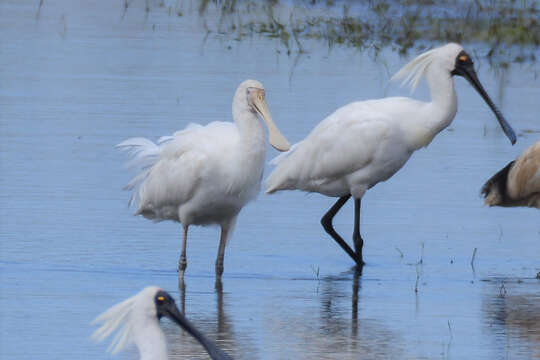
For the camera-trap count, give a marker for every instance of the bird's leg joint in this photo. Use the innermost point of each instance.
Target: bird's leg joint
(326, 222)
(182, 263)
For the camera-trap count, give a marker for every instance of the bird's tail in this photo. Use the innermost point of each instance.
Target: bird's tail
(143, 155)
(494, 190)
(280, 178)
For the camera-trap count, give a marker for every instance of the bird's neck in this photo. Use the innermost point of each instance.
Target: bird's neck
(440, 112)
(150, 341)
(443, 95)
(251, 131)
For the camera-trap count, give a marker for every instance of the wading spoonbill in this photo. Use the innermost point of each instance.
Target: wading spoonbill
(366, 142)
(518, 183)
(136, 320)
(205, 174)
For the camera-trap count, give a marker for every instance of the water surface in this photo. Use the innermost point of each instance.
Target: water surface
(77, 78)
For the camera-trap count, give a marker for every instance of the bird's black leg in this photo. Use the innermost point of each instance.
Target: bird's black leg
(326, 222)
(226, 231)
(221, 253)
(182, 263)
(357, 238)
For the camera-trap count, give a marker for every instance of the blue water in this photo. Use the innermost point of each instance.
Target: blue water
(78, 78)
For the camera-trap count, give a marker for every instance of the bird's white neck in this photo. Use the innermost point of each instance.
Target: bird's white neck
(443, 95)
(150, 340)
(439, 113)
(251, 130)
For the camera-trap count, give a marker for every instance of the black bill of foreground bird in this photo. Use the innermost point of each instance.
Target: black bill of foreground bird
(518, 183)
(136, 320)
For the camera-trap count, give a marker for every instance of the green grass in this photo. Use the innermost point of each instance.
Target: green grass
(509, 30)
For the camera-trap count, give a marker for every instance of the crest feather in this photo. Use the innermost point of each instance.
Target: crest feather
(413, 72)
(117, 317)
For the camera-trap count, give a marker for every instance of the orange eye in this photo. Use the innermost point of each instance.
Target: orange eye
(161, 298)
(463, 58)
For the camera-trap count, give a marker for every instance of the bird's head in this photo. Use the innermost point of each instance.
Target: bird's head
(452, 60)
(251, 96)
(149, 305)
(463, 65)
(164, 305)
(127, 317)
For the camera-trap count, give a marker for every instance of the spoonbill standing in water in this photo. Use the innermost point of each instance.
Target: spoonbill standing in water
(518, 183)
(137, 320)
(366, 142)
(205, 174)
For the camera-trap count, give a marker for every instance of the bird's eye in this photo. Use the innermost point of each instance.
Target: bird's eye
(463, 58)
(160, 298)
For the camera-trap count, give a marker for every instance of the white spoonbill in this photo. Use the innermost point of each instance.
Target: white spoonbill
(366, 142)
(137, 321)
(518, 183)
(205, 174)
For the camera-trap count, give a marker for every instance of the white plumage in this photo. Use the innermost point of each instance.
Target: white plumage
(136, 320)
(366, 142)
(205, 174)
(343, 155)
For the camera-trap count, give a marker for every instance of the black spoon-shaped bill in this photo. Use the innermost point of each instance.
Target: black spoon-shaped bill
(465, 68)
(167, 307)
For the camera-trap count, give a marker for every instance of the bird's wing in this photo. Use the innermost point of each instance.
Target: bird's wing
(211, 139)
(170, 170)
(524, 177)
(344, 142)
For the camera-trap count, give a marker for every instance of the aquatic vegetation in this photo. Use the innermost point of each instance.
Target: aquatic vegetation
(509, 31)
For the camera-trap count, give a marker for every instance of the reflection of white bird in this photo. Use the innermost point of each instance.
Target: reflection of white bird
(367, 142)
(137, 320)
(205, 174)
(518, 183)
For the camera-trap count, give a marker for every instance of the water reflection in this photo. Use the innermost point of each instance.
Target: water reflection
(225, 331)
(335, 328)
(182, 292)
(218, 328)
(110, 78)
(344, 332)
(354, 306)
(511, 309)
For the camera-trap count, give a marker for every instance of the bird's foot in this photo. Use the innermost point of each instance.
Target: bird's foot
(218, 285)
(359, 260)
(358, 246)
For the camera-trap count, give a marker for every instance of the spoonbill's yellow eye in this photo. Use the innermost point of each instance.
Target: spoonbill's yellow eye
(160, 298)
(463, 58)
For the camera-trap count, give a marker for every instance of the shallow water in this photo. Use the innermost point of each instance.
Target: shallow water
(77, 79)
